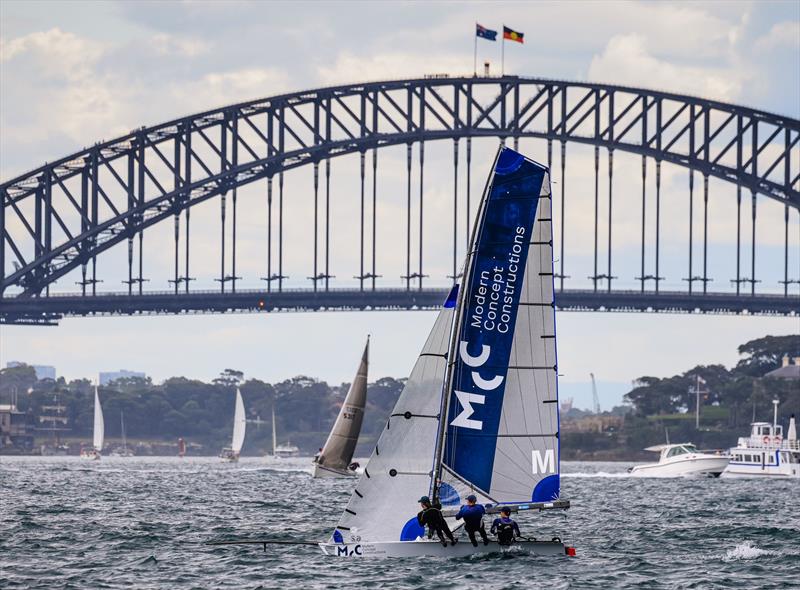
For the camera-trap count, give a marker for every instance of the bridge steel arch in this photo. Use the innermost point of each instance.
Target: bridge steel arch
(61, 216)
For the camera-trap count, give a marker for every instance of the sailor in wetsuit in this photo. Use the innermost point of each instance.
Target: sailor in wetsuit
(505, 528)
(431, 516)
(472, 513)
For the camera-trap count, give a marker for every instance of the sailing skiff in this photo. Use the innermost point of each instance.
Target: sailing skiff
(479, 412)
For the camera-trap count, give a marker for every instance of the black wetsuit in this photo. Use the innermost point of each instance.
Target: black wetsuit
(505, 529)
(433, 519)
(473, 522)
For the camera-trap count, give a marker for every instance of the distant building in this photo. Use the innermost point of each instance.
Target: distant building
(786, 370)
(109, 376)
(42, 371)
(16, 429)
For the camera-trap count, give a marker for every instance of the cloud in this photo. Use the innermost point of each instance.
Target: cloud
(389, 66)
(165, 44)
(627, 60)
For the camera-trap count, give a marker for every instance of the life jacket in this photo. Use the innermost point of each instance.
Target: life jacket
(505, 533)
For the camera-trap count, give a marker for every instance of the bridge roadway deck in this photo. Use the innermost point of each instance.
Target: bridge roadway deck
(48, 310)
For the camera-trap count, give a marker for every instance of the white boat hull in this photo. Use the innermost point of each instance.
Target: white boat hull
(321, 471)
(696, 466)
(435, 549)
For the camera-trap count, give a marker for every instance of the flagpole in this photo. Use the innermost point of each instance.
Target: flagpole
(503, 53)
(475, 54)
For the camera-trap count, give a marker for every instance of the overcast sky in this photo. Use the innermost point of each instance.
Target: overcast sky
(72, 73)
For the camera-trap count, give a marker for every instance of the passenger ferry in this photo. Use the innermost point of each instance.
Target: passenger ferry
(766, 453)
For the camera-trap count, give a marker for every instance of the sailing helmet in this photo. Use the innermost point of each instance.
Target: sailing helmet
(472, 498)
(505, 510)
(424, 500)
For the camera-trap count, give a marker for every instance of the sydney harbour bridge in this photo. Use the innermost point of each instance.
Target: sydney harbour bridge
(60, 221)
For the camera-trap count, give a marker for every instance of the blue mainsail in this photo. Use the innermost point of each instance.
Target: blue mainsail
(501, 435)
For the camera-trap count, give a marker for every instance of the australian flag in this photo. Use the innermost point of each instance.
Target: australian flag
(485, 33)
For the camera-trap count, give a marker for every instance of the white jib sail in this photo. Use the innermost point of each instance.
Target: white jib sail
(239, 424)
(341, 444)
(99, 424)
(384, 502)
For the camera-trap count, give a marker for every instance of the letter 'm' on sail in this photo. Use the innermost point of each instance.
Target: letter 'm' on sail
(506, 448)
(239, 424)
(384, 505)
(99, 430)
(341, 444)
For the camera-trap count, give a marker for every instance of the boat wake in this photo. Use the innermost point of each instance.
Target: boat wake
(615, 475)
(744, 551)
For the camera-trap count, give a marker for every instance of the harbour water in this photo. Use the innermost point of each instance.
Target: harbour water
(142, 522)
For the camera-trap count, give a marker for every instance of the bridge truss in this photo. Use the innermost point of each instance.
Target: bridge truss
(58, 219)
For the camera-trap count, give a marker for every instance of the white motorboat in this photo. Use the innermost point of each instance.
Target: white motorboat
(239, 426)
(766, 453)
(335, 459)
(681, 460)
(479, 412)
(98, 432)
(281, 451)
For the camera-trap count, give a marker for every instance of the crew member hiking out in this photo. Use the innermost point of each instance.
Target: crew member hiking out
(472, 513)
(505, 528)
(431, 517)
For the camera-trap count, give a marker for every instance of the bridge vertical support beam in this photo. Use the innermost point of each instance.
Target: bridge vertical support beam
(362, 170)
(455, 209)
(739, 142)
(140, 144)
(316, 223)
(269, 234)
(610, 178)
(234, 165)
(281, 146)
(422, 176)
(408, 216)
(753, 196)
(562, 276)
(328, 132)
(187, 181)
(643, 276)
(596, 210)
(95, 187)
(374, 208)
(691, 197)
(658, 194)
(469, 190)
(705, 233)
(48, 219)
(374, 188)
(787, 182)
(176, 184)
(84, 221)
(223, 165)
(37, 226)
(596, 183)
(131, 206)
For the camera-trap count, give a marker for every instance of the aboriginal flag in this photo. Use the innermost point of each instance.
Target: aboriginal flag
(485, 33)
(512, 35)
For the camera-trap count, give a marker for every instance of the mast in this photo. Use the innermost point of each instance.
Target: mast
(122, 423)
(454, 334)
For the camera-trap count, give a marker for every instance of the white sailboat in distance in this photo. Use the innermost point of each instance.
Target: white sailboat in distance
(479, 412)
(335, 459)
(239, 426)
(98, 432)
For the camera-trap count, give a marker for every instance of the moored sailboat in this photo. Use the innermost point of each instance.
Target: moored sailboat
(285, 450)
(98, 432)
(335, 459)
(479, 412)
(124, 451)
(239, 426)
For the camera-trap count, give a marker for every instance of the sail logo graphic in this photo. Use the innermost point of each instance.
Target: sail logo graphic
(465, 399)
(546, 464)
